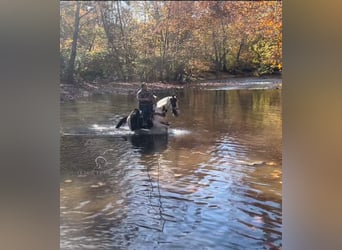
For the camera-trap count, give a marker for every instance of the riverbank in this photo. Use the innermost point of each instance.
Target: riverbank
(70, 92)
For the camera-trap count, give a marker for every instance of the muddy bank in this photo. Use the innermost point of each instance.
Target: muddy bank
(69, 92)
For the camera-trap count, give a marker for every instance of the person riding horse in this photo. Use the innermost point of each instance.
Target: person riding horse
(146, 101)
(159, 123)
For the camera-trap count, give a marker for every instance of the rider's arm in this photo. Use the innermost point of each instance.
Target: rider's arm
(155, 98)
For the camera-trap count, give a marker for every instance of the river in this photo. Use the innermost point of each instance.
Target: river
(214, 182)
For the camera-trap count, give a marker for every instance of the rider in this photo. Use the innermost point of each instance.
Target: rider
(146, 101)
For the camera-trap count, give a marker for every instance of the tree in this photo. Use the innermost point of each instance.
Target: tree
(168, 40)
(79, 30)
(71, 64)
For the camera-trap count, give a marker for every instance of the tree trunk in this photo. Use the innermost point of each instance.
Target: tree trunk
(217, 59)
(71, 65)
(112, 44)
(123, 39)
(224, 62)
(164, 48)
(237, 61)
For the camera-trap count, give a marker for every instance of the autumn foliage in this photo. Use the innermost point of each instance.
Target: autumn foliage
(170, 40)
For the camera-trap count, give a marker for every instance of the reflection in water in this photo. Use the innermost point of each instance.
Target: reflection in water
(214, 182)
(149, 143)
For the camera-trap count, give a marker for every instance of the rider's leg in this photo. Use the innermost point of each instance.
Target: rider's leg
(150, 116)
(145, 113)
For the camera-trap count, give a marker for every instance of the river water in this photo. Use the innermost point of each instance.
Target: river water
(214, 182)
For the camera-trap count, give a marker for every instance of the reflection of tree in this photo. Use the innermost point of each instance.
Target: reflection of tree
(163, 173)
(251, 114)
(150, 147)
(251, 118)
(156, 180)
(159, 198)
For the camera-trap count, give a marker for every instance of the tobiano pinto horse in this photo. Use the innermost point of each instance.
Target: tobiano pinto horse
(158, 124)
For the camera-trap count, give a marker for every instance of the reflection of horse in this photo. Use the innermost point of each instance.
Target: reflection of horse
(149, 144)
(159, 122)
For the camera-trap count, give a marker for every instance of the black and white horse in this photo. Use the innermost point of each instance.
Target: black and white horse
(159, 123)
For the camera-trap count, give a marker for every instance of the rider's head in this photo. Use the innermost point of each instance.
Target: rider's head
(144, 86)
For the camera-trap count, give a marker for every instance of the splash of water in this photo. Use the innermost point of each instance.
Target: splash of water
(110, 130)
(179, 132)
(102, 127)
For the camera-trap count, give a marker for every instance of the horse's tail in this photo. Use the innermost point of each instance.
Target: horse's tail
(121, 122)
(135, 120)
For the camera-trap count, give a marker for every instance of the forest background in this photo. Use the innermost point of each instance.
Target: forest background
(168, 41)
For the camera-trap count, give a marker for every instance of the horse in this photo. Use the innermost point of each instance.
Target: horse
(159, 124)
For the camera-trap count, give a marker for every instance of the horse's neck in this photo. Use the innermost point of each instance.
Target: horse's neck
(159, 110)
(162, 103)
(162, 106)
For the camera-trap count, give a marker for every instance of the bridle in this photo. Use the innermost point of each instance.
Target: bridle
(174, 106)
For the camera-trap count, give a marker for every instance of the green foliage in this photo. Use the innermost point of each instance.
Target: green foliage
(262, 56)
(63, 63)
(93, 66)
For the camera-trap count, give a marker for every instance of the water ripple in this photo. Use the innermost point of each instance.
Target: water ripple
(213, 183)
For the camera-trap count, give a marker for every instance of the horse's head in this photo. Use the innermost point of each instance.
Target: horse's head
(174, 105)
(167, 103)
